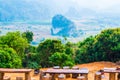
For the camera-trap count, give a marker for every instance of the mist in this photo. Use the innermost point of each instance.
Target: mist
(17, 10)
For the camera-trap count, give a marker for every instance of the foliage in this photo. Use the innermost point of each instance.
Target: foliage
(108, 44)
(15, 51)
(47, 48)
(16, 41)
(69, 48)
(103, 47)
(33, 65)
(30, 49)
(61, 59)
(28, 35)
(85, 53)
(9, 58)
(31, 60)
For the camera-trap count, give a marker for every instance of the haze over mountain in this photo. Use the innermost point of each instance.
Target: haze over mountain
(42, 10)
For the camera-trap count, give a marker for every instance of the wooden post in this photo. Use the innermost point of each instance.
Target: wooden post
(67, 67)
(50, 77)
(27, 76)
(111, 76)
(41, 75)
(61, 77)
(45, 77)
(53, 76)
(1, 76)
(97, 76)
(86, 76)
(118, 76)
(75, 75)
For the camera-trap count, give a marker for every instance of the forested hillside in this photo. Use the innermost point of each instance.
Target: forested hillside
(16, 51)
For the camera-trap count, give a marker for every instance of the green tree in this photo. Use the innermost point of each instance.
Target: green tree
(85, 53)
(47, 48)
(108, 44)
(103, 47)
(61, 59)
(16, 41)
(9, 58)
(28, 35)
(69, 48)
(32, 60)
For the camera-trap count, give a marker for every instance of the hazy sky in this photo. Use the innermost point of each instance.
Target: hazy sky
(65, 7)
(97, 5)
(91, 4)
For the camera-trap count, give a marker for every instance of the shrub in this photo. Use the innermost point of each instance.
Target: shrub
(9, 58)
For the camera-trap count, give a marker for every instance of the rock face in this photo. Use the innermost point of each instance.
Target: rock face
(62, 26)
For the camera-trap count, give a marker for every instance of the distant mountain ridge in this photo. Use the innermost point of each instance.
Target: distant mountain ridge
(40, 10)
(28, 10)
(22, 10)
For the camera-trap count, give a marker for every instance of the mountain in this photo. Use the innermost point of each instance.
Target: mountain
(44, 10)
(39, 10)
(23, 10)
(62, 26)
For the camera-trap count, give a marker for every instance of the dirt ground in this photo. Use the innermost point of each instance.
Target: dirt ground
(93, 67)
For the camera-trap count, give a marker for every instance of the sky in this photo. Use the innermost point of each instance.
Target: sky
(96, 5)
(49, 8)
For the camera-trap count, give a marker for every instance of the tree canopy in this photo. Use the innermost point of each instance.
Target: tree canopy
(108, 43)
(9, 58)
(16, 41)
(16, 50)
(103, 47)
(47, 48)
(61, 59)
(28, 35)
